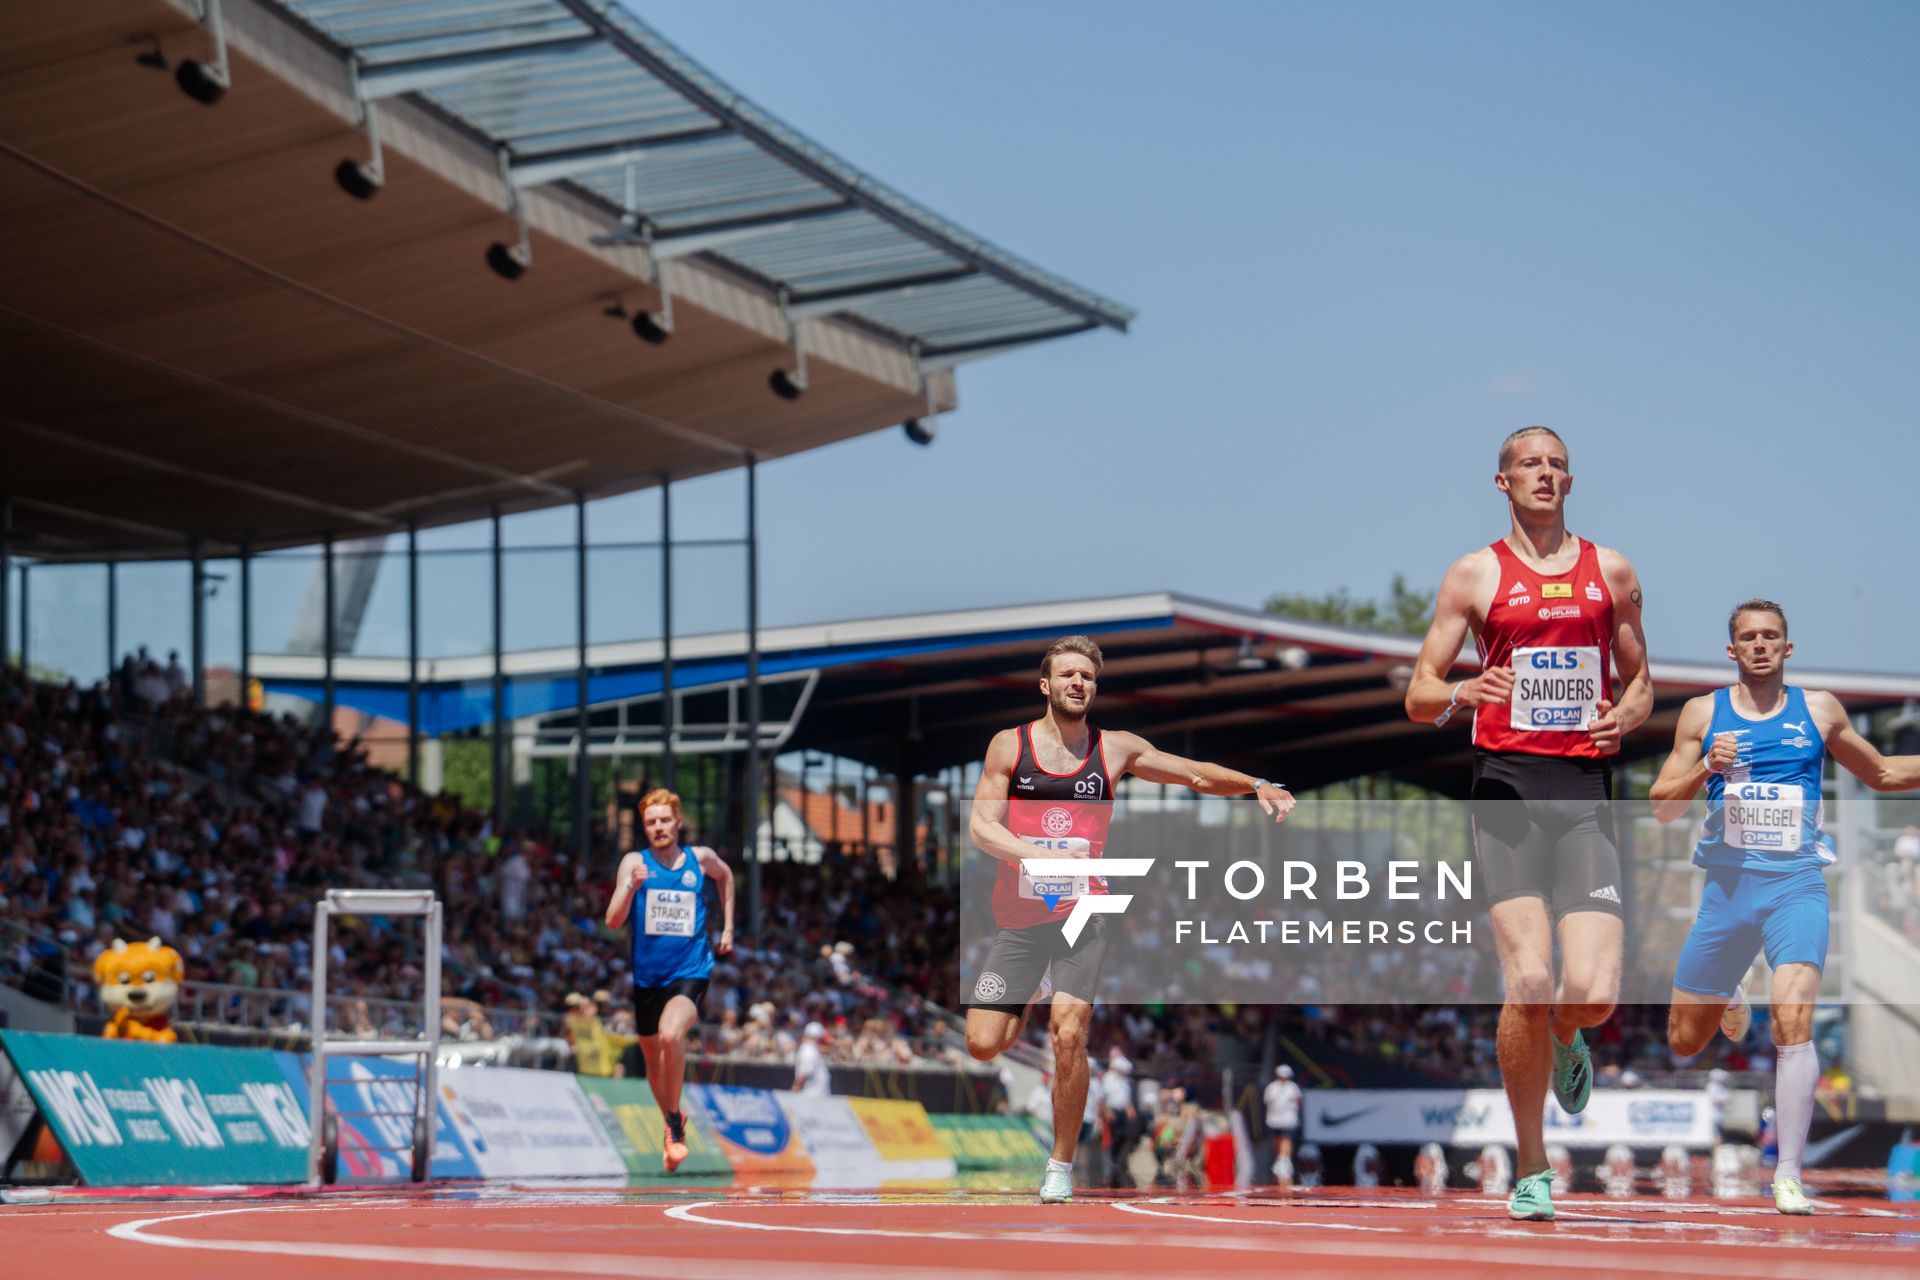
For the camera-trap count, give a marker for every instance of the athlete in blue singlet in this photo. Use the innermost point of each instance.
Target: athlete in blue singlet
(663, 888)
(1760, 747)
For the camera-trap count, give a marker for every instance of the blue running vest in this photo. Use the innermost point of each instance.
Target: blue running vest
(1764, 814)
(669, 923)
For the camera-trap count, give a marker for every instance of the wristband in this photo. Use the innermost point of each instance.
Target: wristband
(1263, 782)
(1453, 704)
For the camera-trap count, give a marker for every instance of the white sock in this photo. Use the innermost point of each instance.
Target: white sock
(1796, 1074)
(1059, 1166)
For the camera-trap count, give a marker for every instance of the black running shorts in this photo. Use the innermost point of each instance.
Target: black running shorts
(1543, 828)
(650, 1002)
(1019, 957)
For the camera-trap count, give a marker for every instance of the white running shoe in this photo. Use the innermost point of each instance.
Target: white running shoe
(1056, 1187)
(1738, 1019)
(1789, 1198)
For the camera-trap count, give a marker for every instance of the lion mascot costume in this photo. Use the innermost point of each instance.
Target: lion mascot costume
(139, 984)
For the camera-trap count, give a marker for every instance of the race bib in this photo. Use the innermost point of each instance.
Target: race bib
(1055, 889)
(670, 913)
(1556, 690)
(1764, 817)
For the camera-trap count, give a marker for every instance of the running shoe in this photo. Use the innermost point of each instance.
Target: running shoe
(1572, 1074)
(1738, 1018)
(1056, 1187)
(1789, 1198)
(672, 1152)
(1532, 1198)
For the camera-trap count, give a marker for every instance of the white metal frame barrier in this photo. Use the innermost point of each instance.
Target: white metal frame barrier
(322, 1152)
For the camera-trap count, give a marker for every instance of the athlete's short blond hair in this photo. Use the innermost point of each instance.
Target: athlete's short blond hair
(1512, 442)
(1756, 605)
(1081, 645)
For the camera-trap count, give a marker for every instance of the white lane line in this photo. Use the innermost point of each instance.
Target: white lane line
(145, 1231)
(1620, 1260)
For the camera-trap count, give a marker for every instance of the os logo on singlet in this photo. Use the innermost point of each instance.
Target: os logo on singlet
(1056, 822)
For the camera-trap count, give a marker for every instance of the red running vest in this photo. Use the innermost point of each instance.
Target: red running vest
(1056, 813)
(1557, 635)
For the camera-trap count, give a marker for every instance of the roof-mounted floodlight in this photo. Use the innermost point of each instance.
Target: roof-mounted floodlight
(208, 82)
(791, 384)
(510, 261)
(923, 429)
(362, 179)
(636, 232)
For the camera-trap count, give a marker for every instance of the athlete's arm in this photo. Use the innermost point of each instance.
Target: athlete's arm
(988, 827)
(1862, 758)
(1686, 769)
(1617, 719)
(625, 881)
(1130, 753)
(1431, 693)
(721, 874)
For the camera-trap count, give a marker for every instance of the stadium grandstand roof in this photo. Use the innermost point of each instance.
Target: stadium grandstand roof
(213, 339)
(1301, 702)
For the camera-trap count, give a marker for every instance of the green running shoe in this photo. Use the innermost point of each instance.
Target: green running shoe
(1789, 1198)
(1056, 1187)
(1572, 1074)
(1532, 1198)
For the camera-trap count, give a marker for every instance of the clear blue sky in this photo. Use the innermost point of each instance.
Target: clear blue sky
(1366, 241)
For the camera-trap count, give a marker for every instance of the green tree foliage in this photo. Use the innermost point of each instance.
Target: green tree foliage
(1405, 611)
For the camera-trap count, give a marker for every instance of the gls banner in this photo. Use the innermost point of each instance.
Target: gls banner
(1477, 1117)
(131, 1113)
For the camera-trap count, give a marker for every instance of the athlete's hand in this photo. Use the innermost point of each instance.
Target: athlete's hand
(1724, 753)
(724, 947)
(1276, 800)
(1494, 685)
(1604, 728)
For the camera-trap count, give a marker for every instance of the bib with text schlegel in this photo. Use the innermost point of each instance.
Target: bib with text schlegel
(1764, 817)
(1556, 689)
(670, 913)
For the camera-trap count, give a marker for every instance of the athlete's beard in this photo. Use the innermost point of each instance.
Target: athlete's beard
(1065, 714)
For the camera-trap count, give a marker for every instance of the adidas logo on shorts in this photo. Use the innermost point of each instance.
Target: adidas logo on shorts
(1607, 894)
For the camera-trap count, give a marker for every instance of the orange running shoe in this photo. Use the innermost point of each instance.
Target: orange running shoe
(672, 1153)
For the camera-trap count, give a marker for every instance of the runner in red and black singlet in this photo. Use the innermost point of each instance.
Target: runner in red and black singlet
(1046, 791)
(1064, 815)
(1555, 618)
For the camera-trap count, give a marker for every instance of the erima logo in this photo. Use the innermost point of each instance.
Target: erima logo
(1026, 782)
(1108, 904)
(1607, 894)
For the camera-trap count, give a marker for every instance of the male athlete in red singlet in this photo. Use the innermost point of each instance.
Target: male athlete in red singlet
(1047, 791)
(1554, 616)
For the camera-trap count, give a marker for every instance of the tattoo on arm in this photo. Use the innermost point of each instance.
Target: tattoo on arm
(1635, 597)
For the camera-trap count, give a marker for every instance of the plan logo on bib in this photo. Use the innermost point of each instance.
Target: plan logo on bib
(1085, 908)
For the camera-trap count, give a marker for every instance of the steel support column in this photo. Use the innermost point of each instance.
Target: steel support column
(327, 640)
(197, 621)
(499, 685)
(752, 806)
(413, 653)
(113, 626)
(582, 758)
(26, 618)
(246, 626)
(669, 727)
(6, 571)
